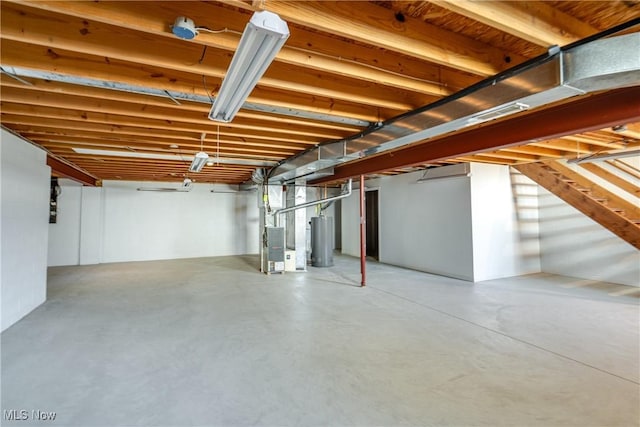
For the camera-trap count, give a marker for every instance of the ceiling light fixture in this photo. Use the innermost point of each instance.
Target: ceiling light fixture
(199, 161)
(184, 28)
(262, 39)
(201, 158)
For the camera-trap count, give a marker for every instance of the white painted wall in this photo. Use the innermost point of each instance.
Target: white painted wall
(351, 224)
(474, 228)
(91, 227)
(117, 223)
(24, 206)
(142, 225)
(572, 244)
(64, 235)
(505, 223)
(424, 226)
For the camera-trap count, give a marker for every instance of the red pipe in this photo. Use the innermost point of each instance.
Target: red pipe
(363, 234)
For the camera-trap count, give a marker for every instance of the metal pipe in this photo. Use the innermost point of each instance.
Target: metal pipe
(363, 235)
(313, 203)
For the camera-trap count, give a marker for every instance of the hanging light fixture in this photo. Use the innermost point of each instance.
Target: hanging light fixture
(200, 159)
(262, 39)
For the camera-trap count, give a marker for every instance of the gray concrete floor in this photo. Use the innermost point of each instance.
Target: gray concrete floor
(212, 342)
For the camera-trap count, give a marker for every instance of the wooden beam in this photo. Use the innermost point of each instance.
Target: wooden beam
(597, 191)
(379, 27)
(614, 179)
(508, 155)
(72, 172)
(540, 152)
(536, 22)
(92, 93)
(584, 114)
(55, 31)
(614, 222)
(625, 167)
(325, 56)
(179, 132)
(566, 146)
(106, 141)
(16, 53)
(225, 148)
(613, 143)
(59, 106)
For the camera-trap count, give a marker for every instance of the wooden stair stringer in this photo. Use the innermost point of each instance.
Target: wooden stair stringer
(557, 183)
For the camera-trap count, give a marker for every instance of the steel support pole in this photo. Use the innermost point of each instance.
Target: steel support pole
(363, 235)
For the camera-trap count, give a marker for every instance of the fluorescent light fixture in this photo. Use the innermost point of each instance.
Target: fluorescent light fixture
(199, 161)
(497, 112)
(461, 170)
(185, 187)
(166, 189)
(607, 156)
(262, 39)
(174, 157)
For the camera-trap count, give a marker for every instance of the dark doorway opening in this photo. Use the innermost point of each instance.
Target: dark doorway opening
(371, 211)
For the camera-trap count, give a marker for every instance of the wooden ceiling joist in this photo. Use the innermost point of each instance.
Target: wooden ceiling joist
(536, 22)
(112, 75)
(36, 27)
(97, 99)
(328, 55)
(379, 27)
(107, 69)
(60, 168)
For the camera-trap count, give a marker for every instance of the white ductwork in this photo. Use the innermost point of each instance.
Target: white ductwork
(590, 66)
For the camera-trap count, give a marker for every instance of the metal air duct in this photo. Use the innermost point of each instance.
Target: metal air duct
(592, 65)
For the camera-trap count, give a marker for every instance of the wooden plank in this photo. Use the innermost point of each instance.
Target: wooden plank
(613, 143)
(61, 168)
(614, 179)
(92, 93)
(597, 191)
(379, 27)
(141, 127)
(609, 219)
(536, 22)
(55, 31)
(507, 155)
(106, 141)
(624, 167)
(16, 53)
(328, 54)
(566, 146)
(57, 105)
(540, 152)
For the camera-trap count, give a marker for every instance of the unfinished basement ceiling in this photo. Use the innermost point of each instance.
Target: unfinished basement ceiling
(87, 79)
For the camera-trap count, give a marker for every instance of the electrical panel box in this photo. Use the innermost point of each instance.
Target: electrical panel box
(273, 250)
